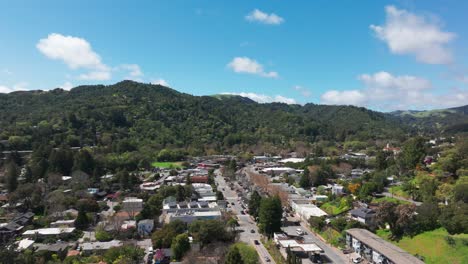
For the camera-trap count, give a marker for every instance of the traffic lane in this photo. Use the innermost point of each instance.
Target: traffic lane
(333, 254)
(245, 222)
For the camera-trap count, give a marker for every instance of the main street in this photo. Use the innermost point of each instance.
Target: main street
(246, 224)
(332, 253)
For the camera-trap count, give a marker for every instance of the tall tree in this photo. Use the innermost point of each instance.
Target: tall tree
(305, 179)
(84, 161)
(11, 177)
(254, 204)
(180, 245)
(81, 221)
(270, 215)
(413, 152)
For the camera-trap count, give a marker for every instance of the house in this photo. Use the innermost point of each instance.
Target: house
(363, 215)
(393, 150)
(199, 179)
(376, 250)
(24, 219)
(54, 248)
(132, 204)
(89, 248)
(8, 231)
(145, 227)
(337, 189)
(53, 231)
(63, 223)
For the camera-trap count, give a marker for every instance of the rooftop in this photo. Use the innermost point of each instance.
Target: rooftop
(392, 252)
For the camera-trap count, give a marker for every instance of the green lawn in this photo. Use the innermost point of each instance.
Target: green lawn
(388, 199)
(398, 191)
(167, 165)
(335, 207)
(433, 246)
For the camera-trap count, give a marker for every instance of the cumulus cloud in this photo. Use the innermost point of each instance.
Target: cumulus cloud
(385, 91)
(21, 86)
(302, 90)
(160, 82)
(261, 17)
(250, 66)
(75, 52)
(351, 97)
(134, 70)
(262, 98)
(408, 33)
(66, 86)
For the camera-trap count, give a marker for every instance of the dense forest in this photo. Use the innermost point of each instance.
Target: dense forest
(130, 116)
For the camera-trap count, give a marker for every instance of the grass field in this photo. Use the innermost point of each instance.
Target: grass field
(333, 237)
(433, 246)
(274, 251)
(167, 165)
(388, 199)
(334, 208)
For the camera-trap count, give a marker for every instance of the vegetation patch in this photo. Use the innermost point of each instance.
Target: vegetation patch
(436, 246)
(167, 165)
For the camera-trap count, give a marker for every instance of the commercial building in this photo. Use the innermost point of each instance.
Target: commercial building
(376, 250)
(305, 209)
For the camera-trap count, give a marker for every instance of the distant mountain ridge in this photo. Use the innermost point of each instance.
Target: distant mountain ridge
(130, 115)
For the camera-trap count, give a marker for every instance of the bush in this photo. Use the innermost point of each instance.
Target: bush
(103, 236)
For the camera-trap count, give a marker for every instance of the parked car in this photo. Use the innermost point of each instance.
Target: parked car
(256, 242)
(357, 260)
(252, 231)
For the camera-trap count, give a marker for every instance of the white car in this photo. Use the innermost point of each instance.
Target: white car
(357, 260)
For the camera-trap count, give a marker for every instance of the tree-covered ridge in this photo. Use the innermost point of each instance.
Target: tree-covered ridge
(130, 115)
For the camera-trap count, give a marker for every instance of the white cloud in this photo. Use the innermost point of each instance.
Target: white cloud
(160, 82)
(96, 75)
(385, 91)
(302, 90)
(66, 86)
(250, 66)
(134, 70)
(21, 86)
(77, 53)
(264, 18)
(407, 33)
(262, 98)
(351, 97)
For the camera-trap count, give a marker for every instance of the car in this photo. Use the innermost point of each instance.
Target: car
(242, 212)
(256, 242)
(252, 231)
(267, 259)
(357, 260)
(232, 203)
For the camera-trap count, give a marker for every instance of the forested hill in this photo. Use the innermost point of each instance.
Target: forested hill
(450, 120)
(128, 115)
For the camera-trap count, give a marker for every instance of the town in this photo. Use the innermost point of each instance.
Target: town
(321, 208)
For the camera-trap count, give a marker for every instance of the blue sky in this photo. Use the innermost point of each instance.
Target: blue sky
(384, 55)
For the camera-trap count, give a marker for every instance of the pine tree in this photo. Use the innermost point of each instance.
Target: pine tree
(81, 221)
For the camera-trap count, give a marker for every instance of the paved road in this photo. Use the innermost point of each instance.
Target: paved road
(246, 224)
(334, 254)
(386, 193)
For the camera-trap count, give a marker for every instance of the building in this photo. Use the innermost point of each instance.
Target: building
(337, 189)
(8, 231)
(189, 212)
(199, 179)
(63, 223)
(93, 247)
(363, 215)
(145, 227)
(49, 231)
(305, 209)
(132, 204)
(376, 250)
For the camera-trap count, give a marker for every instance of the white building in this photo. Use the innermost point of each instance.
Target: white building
(305, 209)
